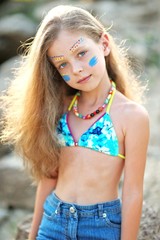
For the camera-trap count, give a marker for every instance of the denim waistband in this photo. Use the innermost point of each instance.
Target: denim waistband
(113, 206)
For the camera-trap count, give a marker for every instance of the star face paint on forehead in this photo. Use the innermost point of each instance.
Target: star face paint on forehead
(57, 58)
(76, 44)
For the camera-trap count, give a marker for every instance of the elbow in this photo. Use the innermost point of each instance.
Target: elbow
(134, 197)
(132, 192)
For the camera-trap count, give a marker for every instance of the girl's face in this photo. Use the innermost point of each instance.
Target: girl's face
(79, 60)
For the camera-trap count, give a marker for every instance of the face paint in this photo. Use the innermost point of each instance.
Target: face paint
(66, 77)
(76, 44)
(93, 61)
(57, 58)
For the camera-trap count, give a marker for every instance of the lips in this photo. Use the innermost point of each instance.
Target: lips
(85, 79)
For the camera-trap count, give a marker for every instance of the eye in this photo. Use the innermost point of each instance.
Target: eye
(81, 54)
(61, 66)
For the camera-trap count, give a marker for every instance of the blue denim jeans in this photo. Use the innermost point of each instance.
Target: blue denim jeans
(68, 221)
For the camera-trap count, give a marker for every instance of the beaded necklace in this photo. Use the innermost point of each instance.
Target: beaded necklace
(74, 103)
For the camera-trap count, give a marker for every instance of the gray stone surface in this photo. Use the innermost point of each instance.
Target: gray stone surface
(4, 215)
(6, 75)
(15, 186)
(6, 72)
(14, 29)
(150, 224)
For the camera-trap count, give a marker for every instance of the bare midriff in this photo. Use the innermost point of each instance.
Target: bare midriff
(88, 177)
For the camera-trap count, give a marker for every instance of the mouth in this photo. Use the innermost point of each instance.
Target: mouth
(85, 79)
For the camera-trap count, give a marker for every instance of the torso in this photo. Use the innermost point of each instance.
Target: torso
(87, 176)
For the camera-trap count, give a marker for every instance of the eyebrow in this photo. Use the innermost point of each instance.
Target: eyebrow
(57, 58)
(76, 44)
(74, 47)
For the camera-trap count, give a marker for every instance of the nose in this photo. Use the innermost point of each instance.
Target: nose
(77, 67)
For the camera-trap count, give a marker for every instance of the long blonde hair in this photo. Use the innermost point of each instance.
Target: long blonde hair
(33, 103)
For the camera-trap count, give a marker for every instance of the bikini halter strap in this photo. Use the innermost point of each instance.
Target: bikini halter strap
(111, 99)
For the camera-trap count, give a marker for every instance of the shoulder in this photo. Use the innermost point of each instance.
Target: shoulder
(134, 116)
(136, 120)
(135, 112)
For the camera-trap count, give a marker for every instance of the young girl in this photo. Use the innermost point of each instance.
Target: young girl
(71, 113)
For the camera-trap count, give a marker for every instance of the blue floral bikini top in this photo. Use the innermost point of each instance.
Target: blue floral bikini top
(100, 136)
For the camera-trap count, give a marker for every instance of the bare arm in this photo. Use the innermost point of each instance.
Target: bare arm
(136, 142)
(45, 187)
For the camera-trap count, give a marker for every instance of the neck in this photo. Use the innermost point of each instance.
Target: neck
(97, 95)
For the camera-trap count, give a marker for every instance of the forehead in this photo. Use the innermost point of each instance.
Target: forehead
(67, 42)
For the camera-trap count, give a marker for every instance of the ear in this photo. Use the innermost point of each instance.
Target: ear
(104, 41)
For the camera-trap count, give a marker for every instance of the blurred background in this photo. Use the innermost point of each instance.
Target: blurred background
(135, 21)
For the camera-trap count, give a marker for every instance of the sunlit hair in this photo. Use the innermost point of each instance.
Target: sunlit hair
(33, 103)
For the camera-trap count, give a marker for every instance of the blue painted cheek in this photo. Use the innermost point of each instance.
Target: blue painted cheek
(93, 61)
(66, 77)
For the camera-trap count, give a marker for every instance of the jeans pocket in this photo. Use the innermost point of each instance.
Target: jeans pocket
(49, 210)
(113, 219)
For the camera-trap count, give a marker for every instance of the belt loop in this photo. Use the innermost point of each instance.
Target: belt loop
(100, 210)
(57, 211)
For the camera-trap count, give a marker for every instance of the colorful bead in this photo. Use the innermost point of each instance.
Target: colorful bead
(100, 109)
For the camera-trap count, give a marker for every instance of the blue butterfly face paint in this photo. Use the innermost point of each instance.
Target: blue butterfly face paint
(93, 61)
(66, 77)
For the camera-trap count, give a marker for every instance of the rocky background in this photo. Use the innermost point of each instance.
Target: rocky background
(137, 22)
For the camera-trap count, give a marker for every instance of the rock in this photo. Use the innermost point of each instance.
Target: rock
(6, 75)
(150, 224)
(4, 215)
(15, 187)
(4, 149)
(6, 71)
(14, 29)
(24, 228)
(149, 227)
(8, 227)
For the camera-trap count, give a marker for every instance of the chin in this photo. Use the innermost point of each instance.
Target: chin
(89, 88)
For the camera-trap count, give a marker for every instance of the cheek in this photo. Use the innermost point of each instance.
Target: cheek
(93, 61)
(66, 77)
